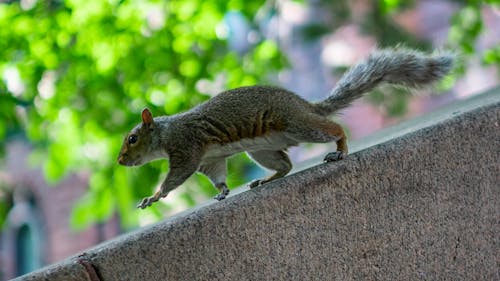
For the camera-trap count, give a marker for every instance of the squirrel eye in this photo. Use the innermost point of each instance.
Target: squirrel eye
(132, 139)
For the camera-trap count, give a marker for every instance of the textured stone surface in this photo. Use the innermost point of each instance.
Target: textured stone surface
(423, 206)
(68, 270)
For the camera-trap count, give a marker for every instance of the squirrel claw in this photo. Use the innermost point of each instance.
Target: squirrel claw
(334, 156)
(224, 192)
(146, 202)
(255, 183)
(141, 205)
(220, 196)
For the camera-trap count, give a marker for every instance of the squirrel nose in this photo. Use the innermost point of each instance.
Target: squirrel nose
(120, 160)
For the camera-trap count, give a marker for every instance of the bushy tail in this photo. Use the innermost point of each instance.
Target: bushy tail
(397, 66)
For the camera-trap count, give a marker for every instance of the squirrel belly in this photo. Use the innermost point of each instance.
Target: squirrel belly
(263, 121)
(270, 142)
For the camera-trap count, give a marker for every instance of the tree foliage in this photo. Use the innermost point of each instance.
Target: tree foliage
(77, 73)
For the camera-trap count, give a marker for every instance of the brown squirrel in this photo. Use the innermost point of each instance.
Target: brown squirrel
(264, 121)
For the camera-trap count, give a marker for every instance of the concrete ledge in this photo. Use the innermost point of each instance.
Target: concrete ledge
(422, 206)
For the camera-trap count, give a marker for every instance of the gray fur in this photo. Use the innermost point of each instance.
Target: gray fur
(398, 66)
(264, 121)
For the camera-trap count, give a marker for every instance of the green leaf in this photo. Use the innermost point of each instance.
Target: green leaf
(492, 56)
(266, 50)
(82, 214)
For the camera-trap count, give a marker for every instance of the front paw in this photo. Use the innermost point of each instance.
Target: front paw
(146, 202)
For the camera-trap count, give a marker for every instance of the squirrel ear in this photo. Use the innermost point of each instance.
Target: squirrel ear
(147, 117)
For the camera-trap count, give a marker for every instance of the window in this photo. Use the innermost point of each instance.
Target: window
(22, 239)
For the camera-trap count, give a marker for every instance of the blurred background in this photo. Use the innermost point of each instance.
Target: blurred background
(75, 74)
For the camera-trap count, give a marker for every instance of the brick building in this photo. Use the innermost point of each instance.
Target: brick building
(37, 230)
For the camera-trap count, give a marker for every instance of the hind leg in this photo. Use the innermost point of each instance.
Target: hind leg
(339, 154)
(274, 160)
(318, 129)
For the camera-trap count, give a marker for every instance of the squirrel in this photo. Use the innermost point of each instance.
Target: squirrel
(264, 121)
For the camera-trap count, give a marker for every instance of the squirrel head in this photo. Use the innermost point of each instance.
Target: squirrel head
(138, 142)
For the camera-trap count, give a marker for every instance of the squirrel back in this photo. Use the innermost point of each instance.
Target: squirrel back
(397, 66)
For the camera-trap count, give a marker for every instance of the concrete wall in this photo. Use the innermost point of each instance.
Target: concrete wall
(421, 206)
